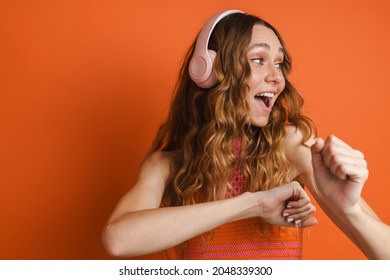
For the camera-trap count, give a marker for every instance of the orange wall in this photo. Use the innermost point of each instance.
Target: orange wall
(85, 84)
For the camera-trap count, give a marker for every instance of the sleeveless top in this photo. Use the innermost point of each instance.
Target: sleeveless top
(244, 239)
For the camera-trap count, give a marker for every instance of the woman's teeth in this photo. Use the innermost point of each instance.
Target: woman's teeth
(266, 94)
(265, 97)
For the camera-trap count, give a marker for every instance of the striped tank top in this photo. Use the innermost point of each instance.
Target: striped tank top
(244, 239)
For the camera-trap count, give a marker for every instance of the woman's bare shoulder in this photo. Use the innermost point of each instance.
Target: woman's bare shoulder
(159, 157)
(294, 138)
(158, 162)
(297, 152)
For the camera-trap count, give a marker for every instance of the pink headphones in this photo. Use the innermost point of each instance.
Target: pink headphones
(201, 65)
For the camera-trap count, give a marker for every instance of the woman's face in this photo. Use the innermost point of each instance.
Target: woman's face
(265, 56)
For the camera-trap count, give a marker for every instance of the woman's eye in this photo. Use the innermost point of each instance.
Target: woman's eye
(258, 60)
(279, 65)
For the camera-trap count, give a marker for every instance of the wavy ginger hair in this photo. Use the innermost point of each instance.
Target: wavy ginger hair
(203, 124)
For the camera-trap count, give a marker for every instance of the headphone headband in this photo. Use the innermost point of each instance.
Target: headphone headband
(201, 65)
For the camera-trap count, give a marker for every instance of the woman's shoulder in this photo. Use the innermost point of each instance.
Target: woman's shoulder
(296, 149)
(294, 138)
(160, 157)
(160, 160)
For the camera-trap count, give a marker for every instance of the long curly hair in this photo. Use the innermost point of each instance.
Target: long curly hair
(203, 124)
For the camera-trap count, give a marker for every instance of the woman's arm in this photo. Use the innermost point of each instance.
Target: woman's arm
(335, 174)
(138, 226)
(341, 172)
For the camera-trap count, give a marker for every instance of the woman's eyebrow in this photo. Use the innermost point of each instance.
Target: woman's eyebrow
(263, 45)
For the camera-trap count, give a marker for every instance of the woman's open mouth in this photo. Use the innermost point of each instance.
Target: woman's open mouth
(265, 98)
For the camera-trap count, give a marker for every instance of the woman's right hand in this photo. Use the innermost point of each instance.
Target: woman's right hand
(287, 205)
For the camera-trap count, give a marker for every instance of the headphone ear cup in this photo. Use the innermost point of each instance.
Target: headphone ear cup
(212, 79)
(201, 64)
(201, 69)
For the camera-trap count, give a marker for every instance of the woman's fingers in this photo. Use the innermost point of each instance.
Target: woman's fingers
(297, 215)
(299, 207)
(310, 221)
(339, 156)
(343, 161)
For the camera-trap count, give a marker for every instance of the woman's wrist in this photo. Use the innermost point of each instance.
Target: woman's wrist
(249, 205)
(354, 215)
(351, 216)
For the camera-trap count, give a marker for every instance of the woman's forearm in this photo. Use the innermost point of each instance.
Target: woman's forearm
(364, 229)
(371, 234)
(152, 230)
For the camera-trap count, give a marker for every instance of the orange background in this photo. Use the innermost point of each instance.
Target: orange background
(85, 84)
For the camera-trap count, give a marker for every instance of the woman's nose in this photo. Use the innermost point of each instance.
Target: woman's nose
(274, 74)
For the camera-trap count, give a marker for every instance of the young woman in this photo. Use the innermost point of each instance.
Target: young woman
(224, 176)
